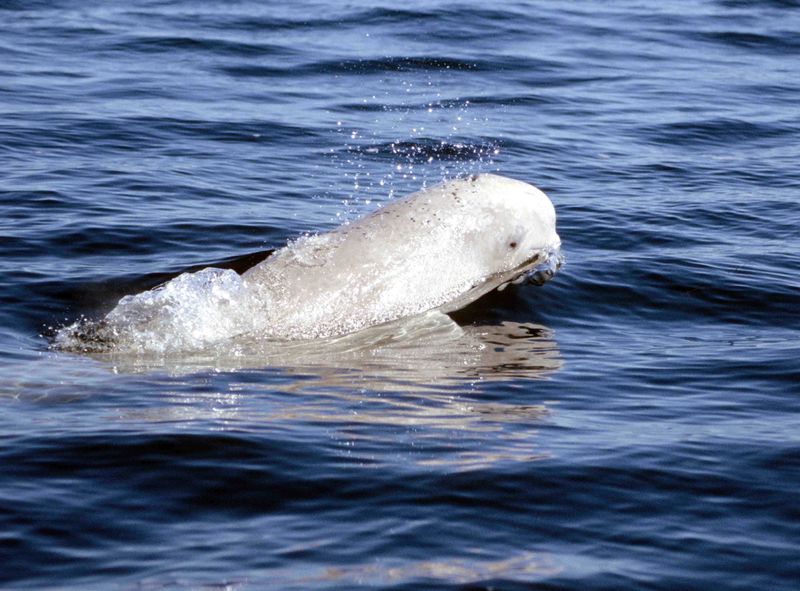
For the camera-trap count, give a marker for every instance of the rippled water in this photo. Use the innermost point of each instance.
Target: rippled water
(633, 424)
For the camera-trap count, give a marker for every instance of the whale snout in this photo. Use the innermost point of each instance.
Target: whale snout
(545, 271)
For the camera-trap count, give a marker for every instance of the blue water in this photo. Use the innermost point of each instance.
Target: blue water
(633, 424)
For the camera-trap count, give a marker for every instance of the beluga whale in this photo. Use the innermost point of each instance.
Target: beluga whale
(438, 249)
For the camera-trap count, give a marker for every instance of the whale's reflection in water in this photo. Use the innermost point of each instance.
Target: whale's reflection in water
(443, 394)
(522, 566)
(427, 352)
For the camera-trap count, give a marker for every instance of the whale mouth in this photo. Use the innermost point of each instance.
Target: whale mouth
(538, 270)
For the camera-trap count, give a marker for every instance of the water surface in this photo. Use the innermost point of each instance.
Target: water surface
(632, 424)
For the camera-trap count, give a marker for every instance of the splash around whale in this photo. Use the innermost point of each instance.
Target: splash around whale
(440, 248)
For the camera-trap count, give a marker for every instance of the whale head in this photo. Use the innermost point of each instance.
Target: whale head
(524, 217)
(515, 236)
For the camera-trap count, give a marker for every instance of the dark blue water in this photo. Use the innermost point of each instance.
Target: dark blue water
(633, 424)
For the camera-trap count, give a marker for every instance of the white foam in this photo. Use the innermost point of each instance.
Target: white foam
(188, 312)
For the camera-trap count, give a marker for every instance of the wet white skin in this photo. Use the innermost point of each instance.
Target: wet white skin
(439, 248)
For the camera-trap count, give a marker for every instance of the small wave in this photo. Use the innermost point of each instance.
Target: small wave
(715, 131)
(497, 100)
(222, 47)
(402, 64)
(423, 150)
(127, 134)
(750, 41)
(355, 67)
(760, 3)
(395, 18)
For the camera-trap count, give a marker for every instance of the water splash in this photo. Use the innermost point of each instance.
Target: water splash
(431, 137)
(188, 312)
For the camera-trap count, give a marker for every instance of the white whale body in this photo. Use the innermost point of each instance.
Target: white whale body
(438, 249)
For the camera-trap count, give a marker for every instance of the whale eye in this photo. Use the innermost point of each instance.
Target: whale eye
(512, 244)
